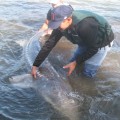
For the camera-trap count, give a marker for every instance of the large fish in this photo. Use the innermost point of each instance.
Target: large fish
(55, 90)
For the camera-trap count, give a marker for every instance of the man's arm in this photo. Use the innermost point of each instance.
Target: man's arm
(88, 54)
(45, 24)
(80, 58)
(48, 46)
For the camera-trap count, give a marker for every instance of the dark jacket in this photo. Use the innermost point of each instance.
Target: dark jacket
(86, 31)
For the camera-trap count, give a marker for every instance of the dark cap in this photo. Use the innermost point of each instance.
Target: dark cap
(59, 14)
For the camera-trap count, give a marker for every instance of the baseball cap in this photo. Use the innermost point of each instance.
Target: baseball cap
(59, 14)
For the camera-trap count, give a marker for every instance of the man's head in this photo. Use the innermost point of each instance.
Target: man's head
(61, 17)
(55, 3)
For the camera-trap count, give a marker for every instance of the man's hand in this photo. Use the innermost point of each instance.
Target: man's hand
(71, 66)
(34, 71)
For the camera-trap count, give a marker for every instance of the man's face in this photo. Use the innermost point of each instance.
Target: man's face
(66, 23)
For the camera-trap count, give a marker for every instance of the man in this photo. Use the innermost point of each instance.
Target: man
(54, 4)
(89, 31)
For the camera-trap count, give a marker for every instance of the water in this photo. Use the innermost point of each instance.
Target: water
(19, 21)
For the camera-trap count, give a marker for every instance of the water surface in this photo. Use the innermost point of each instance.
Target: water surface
(19, 20)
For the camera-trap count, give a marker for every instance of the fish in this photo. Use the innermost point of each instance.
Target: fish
(49, 84)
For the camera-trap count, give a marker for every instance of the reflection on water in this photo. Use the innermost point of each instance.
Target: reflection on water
(101, 95)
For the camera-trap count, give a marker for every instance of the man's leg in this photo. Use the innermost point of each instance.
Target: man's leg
(92, 65)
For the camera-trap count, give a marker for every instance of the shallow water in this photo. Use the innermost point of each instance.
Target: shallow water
(19, 21)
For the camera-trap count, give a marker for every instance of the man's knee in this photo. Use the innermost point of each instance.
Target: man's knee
(90, 70)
